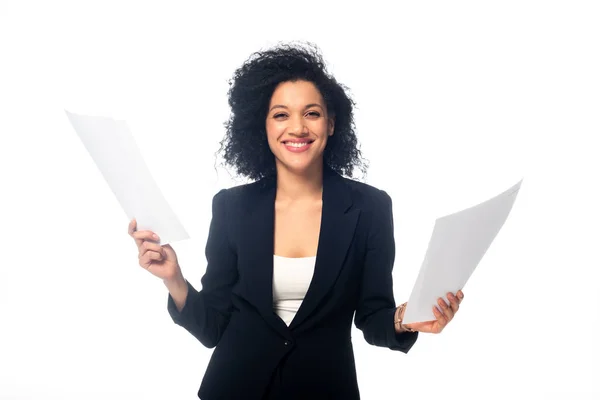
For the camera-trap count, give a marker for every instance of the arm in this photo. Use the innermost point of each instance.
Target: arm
(376, 305)
(205, 313)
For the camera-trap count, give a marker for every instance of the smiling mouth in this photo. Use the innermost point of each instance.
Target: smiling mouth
(297, 144)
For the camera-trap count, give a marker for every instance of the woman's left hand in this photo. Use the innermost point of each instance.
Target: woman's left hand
(443, 317)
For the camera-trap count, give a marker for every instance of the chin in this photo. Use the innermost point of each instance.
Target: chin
(300, 168)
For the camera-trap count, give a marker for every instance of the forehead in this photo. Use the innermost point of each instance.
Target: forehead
(296, 93)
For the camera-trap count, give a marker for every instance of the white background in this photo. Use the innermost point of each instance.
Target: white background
(456, 102)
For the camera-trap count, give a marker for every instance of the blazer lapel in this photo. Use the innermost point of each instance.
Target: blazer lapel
(257, 252)
(338, 222)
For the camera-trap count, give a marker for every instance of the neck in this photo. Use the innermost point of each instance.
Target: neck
(296, 186)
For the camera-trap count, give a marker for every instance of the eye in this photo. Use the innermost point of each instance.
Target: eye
(314, 114)
(279, 115)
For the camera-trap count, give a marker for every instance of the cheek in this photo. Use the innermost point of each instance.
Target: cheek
(272, 134)
(272, 128)
(323, 130)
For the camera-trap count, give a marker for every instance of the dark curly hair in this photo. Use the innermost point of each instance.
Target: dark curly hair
(245, 147)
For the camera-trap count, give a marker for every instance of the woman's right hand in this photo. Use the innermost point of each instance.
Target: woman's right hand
(160, 261)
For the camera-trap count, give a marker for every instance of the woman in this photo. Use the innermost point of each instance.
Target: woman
(295, 255)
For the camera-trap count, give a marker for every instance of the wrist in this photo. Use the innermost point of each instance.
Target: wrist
(399, 318)
(175, 282)
(178, 290)
(398, 315)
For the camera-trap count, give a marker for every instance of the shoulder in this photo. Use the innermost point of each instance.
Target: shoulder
(375, 207)
(233, 197)
(368, 197)
(376, 212)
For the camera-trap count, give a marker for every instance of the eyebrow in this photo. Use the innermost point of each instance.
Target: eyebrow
(307, 106)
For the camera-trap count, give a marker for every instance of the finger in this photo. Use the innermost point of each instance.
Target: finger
(454, 302)
(141, 236)
(460, 296)
(441, 319)
(132, 226)
(131, 229)
(446, 309)
(146, 260)
(167, 249)
(150, 246)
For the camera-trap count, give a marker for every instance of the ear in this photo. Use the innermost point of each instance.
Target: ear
(331, 126)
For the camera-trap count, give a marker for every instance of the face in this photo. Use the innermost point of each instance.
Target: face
(298, 126)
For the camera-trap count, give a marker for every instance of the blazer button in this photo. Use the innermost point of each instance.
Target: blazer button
(286, 343)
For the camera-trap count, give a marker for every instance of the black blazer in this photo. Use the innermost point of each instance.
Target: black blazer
(257, 356)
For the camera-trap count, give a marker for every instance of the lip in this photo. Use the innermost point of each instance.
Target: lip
(294, 149)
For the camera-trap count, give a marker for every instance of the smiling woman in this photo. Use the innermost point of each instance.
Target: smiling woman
(296, 255)
(264, 100)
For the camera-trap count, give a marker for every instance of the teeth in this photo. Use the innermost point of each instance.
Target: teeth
(296, 144)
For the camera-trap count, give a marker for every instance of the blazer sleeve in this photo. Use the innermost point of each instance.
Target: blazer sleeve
(376, 306)
(206, 313)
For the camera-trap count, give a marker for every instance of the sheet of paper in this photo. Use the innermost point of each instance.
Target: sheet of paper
(113, 149)
(457, 245)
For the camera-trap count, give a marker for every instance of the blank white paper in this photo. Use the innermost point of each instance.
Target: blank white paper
(458, 243)
(113, 149)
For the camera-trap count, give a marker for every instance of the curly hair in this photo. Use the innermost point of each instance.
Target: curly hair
(245, 147)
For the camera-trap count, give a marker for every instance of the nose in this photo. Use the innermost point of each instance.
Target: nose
(297, 126)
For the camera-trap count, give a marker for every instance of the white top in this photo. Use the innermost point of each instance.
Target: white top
(291, 279)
